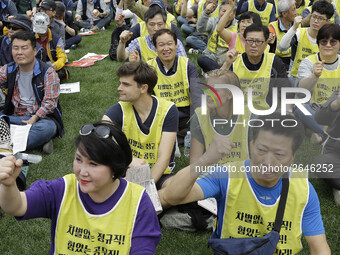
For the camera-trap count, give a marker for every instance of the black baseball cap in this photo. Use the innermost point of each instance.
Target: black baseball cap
(20, 20)
(48, 5)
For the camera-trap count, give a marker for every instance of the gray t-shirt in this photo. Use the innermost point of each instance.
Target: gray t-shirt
(26, 92)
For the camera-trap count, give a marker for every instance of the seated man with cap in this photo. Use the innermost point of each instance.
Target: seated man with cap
(19, 22)
(50, 47)
(49, 7)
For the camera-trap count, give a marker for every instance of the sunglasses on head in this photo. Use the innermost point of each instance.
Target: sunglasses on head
(101, 131)
(13, 28)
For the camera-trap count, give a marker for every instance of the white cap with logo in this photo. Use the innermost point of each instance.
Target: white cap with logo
(40, 23)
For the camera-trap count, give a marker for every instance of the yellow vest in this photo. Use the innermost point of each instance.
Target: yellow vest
(144, 31)
(174, 88)
(279, 35)
(146, 52)
(327, 83)
(301, 8)
(246, 217)
(240, 47)
(145, 146)
(265, 14)
(212, 46)
(213, 14)
(258, 80)
(238, 135)
(79, 231)
(304, 49)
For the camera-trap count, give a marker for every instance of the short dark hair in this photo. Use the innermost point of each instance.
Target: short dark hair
(257, 28)
(25, 36)
(60, 8)
(276, 128)
(163, 31)
(251, 15)
(142, 74)
(106, 151)
(328, 31)
(152, 12)
(323, 7)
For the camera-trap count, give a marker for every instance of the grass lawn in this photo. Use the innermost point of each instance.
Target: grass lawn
(98, 86)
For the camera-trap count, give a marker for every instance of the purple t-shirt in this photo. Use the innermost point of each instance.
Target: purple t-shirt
(44, 201)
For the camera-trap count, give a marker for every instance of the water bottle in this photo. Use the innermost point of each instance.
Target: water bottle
(187, 142)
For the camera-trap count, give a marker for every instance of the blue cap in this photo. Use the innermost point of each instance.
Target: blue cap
(160, 3)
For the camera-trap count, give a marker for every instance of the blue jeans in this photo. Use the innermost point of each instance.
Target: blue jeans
(185, 27)
(72, 40)
(40, 133)
(99, 23)
(308, 120)
(194, 42)
(207, 64)
(182, 20)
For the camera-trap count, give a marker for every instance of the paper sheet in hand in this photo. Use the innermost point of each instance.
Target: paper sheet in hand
(68, 88)
(142, 175)
(19, 135)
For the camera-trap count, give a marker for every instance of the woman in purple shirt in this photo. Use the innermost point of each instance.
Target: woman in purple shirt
(94, 210)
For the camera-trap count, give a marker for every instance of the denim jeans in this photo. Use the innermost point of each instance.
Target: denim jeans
(308, 120)
(40, 133)
(207, 64)
(99, 23)
(194, 42)
(72, 40)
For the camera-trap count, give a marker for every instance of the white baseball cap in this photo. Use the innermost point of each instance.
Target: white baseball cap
(40, 22)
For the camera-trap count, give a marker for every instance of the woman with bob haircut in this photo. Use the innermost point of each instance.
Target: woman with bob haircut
(94, 210)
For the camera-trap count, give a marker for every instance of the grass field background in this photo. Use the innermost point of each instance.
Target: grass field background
(98, 91)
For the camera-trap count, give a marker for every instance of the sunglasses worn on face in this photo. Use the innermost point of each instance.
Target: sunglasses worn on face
(101, 131)
(13, 28)
(332, 42)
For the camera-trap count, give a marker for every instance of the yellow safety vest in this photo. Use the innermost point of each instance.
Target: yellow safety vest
(213, 14)
(279, 35)
(145, 146)
(301, 8)
(80, 232)
(238, 135)
(305, 48)
(246, 217)
(146, 52)
(258, 80)
(327, 83)
(265, 14)
(174, 88)
(144, 31)
(240, 47)
(212, 46)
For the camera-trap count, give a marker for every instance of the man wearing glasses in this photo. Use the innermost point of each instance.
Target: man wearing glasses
(19, 22)
(303, 40)
(256, 68)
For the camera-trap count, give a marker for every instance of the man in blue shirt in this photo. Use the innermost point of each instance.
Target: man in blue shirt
(239, 200)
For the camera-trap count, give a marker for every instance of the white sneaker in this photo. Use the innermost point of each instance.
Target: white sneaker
(193, 51)
(336, 194)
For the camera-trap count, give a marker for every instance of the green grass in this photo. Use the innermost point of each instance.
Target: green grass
(98, 91)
